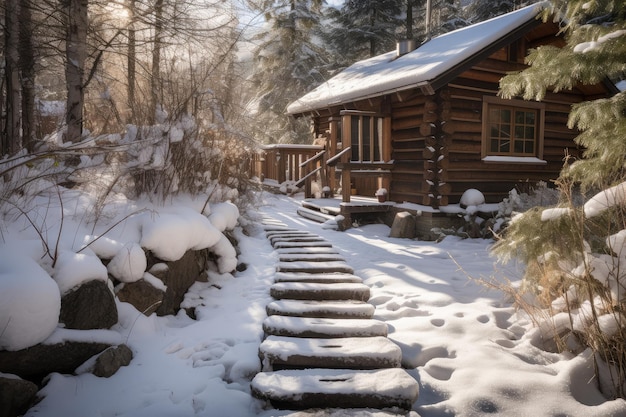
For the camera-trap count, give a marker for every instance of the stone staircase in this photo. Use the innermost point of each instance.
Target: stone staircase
(323, 353)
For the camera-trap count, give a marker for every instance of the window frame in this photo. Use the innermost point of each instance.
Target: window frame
(490, 102)
(378, 123)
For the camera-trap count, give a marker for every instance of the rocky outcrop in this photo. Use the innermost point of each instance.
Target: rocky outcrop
(112, 359)
(38, 361)
(178, 277)
(90, 306)
(16, 395)
(141, 294)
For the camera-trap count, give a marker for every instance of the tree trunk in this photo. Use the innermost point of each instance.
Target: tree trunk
(27, 70)
(156, 60)
(13, 140)
(132, 61)
(76, 53)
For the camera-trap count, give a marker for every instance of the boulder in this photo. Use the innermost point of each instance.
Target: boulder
(16, 395)
(111, 360)
(38, 361)
(141, 294)
(178, 277)
(403, 226)
(89, 306)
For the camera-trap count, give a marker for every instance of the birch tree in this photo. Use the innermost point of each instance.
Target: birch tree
(76, 54)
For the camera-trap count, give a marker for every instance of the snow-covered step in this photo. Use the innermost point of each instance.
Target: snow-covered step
(331, 277)
(347, 412)
(324, 309)
(290, 232)
(317, 291)
(314, 215)
(313, 267)
(322, 327)
(307, 250)
(282, 352)
(276, 228)
(310, 257)
(302, 238)
(320, 244)
(339, 388)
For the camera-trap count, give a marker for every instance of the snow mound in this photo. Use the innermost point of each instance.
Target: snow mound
(175, 230)
(129, 264)
(472, 197)
(224, 216)
(72, 269)
(30, 302)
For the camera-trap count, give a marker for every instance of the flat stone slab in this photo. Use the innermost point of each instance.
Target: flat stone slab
(310, 257)
(347, 412)
(309, 250)
(323, 309)
(331, 277)
(313, 267)
(303, 238)
(317, 291)
(313, 388)
(320, 244)
(281, 352)
(322, 327)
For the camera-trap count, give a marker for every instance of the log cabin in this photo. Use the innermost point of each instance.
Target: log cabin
(427, 124)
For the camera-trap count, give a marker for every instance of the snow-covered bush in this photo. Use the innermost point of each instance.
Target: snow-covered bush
(574, 287)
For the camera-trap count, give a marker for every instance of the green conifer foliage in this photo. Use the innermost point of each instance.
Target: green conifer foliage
(595, 32)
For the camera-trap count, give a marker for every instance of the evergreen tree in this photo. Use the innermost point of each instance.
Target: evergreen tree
(364, 28)
(288, 63)
(595, 51)
(480, 10)
(575, 253)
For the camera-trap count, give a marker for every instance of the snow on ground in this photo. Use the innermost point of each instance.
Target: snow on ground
(464, 343)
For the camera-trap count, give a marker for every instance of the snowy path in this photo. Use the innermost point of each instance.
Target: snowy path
(311, 361)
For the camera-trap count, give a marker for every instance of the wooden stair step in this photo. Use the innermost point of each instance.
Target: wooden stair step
(322, 327)
(281, 352)
(307, 250)
(324, 309)
(330, 277)
(313, 267)
(340, 388)
(310, 257)
(314, 215)
(317, 291)
(320, 244)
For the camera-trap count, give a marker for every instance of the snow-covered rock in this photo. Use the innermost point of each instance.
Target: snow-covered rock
(30, 302)
(472, 197)
(129, 264)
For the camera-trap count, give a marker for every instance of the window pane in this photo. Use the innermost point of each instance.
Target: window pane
(519, 117)
(505, 116)
(378, 134)
(354, 137)
(530, 118)
(519, 146)
(366, 137)
(530, 147)
(519, 132)
(494, 145)
(530, 132)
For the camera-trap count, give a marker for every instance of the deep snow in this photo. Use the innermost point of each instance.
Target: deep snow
(471, 353)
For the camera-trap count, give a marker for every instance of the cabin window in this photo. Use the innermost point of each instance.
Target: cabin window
(365, 131)
(512, 128)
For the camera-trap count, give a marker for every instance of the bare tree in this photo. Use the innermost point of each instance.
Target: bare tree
(27, 71)
(76, 53)
(12, 142)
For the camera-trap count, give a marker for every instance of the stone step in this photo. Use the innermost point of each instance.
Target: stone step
(310, 257)
(322, 244)
(323, 328)
(340, 388)
(290, 232)
(303, 238)
(319, 292)
(344, 412)
(349, 309)
(308, 250)
(281, 352)
(312, 267)
(331, 277)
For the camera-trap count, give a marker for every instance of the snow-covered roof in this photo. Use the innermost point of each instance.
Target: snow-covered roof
(384, 74)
